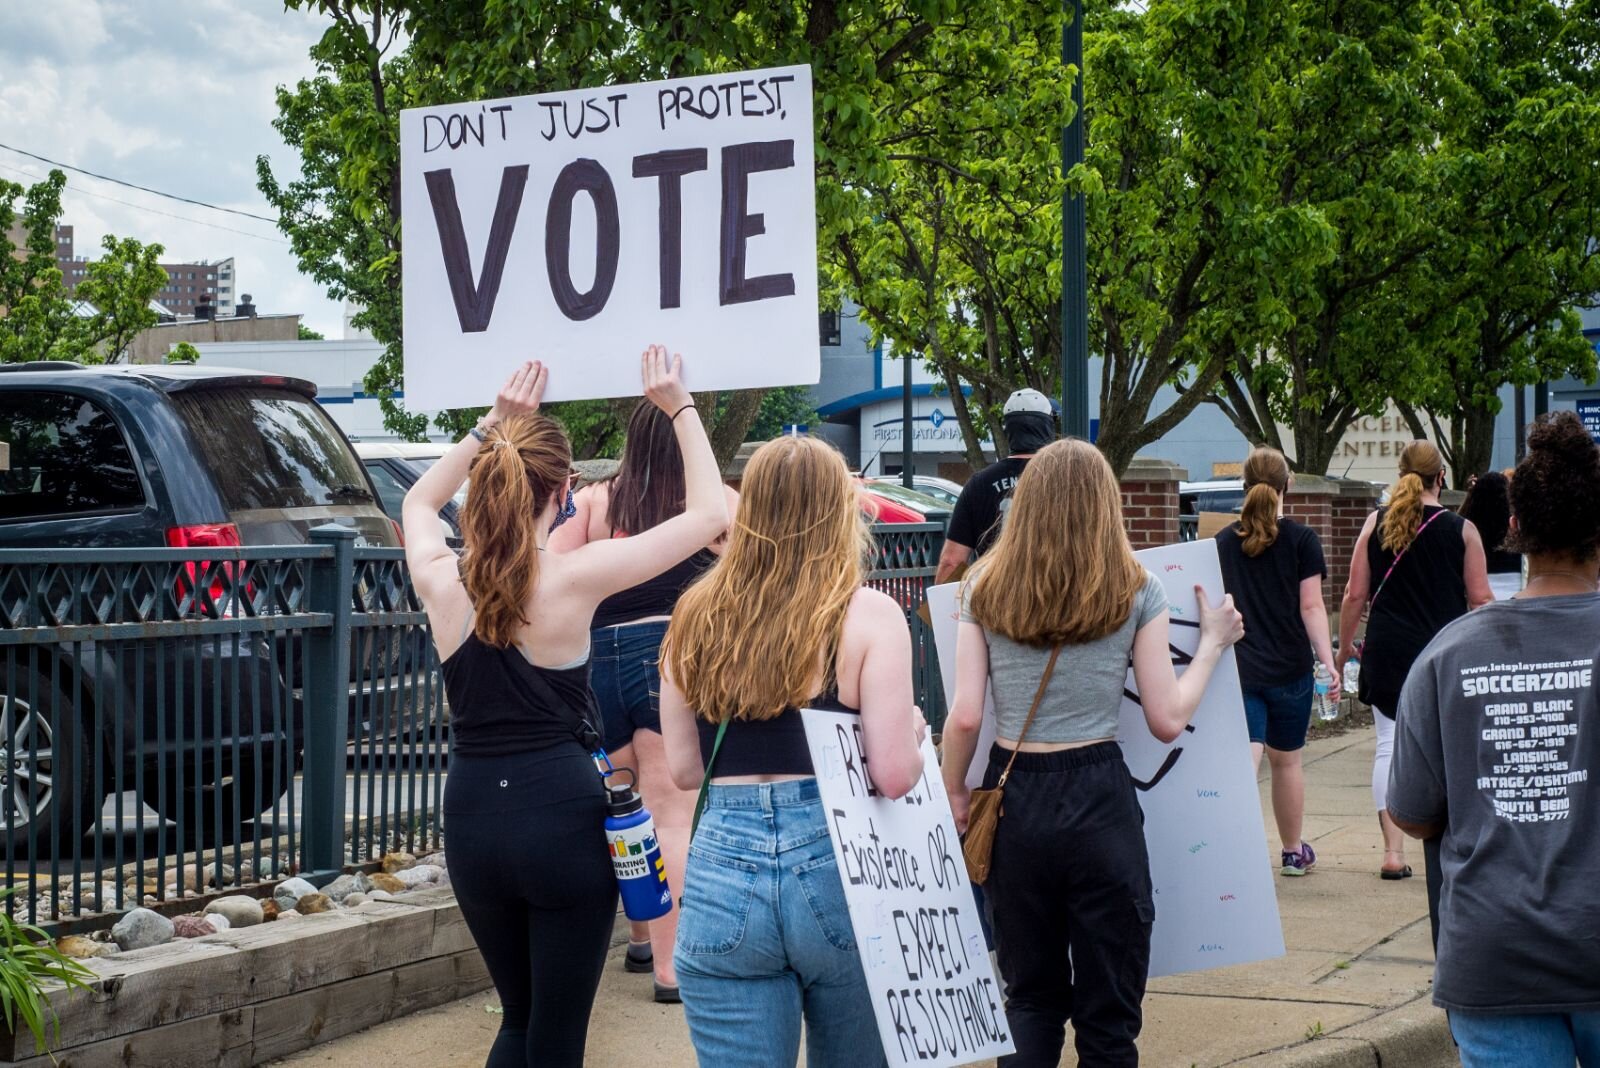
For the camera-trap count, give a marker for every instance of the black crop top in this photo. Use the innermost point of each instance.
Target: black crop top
(501, 702)
(655, 596)
(775, 746)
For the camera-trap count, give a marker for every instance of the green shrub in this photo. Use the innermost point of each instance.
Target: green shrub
(28, 961)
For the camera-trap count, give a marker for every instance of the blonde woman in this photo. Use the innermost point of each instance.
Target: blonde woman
(1062, 596)
(1274, 569)
(1416, 566)
(781, 622)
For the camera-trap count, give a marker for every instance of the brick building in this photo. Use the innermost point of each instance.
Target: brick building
(186, 282)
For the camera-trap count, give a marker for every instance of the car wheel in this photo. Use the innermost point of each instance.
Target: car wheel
(241, 793)
(44, 766)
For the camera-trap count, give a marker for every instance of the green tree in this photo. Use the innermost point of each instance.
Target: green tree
(182, 352)
(40, 320)
(308, 334)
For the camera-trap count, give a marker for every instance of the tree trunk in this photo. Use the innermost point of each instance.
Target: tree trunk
(728, 429)
(1476, 429)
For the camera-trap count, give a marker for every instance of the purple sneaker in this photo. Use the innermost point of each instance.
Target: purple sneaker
(1300, 861)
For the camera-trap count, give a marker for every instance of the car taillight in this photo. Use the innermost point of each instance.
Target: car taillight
(205, 536)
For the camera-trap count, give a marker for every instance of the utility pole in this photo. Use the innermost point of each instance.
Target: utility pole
(1074, 231)
(906, 438)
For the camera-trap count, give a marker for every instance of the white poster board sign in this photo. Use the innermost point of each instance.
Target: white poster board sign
(579, 227)
(1215, 901)
(934, 993)
(944, 610)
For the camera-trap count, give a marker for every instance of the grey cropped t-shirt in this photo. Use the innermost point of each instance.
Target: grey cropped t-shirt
(1084, 698)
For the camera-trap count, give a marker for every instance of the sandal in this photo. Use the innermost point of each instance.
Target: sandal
(639, 958)
(667, 995)
(1394, 874)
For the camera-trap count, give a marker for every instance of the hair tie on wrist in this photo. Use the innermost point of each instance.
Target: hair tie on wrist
(680, 411)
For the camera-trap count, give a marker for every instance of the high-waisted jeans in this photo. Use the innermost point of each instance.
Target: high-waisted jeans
(764, 938)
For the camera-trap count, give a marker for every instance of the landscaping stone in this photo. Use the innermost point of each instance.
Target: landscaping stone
(84, 948)
(141, 929)
(239, 911)
(269, 911)
(380, 895)
(421, 875)
(345, 885)
(191, 927)
(291, 890)
(436, 859)
(354, 899)
(288, 915)
(314, 903)
(218, 922)
(393, 862)
(387, 883)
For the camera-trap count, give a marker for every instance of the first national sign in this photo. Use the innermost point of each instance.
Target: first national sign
(579, 227)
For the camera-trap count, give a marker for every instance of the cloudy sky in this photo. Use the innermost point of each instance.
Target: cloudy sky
(176, 95)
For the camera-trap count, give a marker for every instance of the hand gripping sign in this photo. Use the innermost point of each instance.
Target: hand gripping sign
(579, 227)
(916, 923)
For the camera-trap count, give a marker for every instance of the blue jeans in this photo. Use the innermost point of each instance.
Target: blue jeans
(1534, 1040)
(1278, 716)
(625, 675)
(764, 937)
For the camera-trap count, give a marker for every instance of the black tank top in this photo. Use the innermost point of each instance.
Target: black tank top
(500, 702)
(1424, 592)
(775, 746)
(655, 596)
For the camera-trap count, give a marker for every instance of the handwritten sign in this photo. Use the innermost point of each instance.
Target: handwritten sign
(916, 924)
(944, 610)
(579, 227)
(1215, 902)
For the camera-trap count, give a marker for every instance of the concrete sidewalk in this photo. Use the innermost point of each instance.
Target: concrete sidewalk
(1352, 991)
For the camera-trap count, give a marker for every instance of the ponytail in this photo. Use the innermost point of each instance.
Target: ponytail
(1266, 479)
(1420, 465)
(519, 468)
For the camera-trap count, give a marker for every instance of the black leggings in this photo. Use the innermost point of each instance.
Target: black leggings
(526, 839)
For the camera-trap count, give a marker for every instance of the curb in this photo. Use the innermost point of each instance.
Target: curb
(1414, 1035)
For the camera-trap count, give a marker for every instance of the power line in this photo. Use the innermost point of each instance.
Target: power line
(131, 185)
(153, 211)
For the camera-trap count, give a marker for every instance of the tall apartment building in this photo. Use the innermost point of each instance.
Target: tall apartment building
(186, 282)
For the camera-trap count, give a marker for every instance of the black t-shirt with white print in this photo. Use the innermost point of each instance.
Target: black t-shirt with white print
(983, 503)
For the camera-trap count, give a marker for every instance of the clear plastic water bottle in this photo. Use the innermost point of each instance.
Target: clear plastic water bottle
(1352, 675)
(1322, 702)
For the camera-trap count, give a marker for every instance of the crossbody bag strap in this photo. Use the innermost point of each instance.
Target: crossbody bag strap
(1049, 669)
(705, 783)
(1401, 556)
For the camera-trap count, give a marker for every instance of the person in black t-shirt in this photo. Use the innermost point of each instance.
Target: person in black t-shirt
(1274, 569)
(1029, 423)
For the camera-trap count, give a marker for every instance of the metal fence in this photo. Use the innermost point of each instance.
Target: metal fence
(176, 723)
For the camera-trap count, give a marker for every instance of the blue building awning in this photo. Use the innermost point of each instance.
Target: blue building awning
(887, 393)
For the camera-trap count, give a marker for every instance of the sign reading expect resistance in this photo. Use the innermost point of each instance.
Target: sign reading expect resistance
(579, 227)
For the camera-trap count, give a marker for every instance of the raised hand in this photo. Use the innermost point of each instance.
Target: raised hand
(521, 394)
(663, 380)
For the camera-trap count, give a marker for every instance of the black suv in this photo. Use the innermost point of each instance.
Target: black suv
(148, 456)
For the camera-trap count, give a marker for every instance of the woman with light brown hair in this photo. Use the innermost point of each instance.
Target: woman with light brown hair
(781, 622)
(1274, 569)
(1050, 620)
(524, 803)
(1416, 566)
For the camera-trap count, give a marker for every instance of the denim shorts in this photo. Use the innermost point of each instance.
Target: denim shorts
(1533, 1040)
(1278, 716)
(626, 676)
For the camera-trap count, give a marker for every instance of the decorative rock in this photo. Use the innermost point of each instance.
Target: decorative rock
(354, 899)
(312, 904)
(191, 927)
(345, 885)
(444, 878)
(380, 895)
(387, 883)
(239, 911)
(436, 859)
(84, 948)
(141, 929)
(218, 922)
(420, 876)
(291, 890)
(269, 911)
(393, 862)
(288, 915)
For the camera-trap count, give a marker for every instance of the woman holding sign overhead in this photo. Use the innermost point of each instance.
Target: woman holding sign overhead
(524, 802)
(1050, 621)
(782, 622)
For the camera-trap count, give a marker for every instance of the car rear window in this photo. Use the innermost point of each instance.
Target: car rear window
(67, 456)
(271, 448)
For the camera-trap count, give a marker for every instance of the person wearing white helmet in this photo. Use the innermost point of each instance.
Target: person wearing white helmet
(1029, 423)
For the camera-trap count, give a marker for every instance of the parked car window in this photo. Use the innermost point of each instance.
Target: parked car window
(272, 448)
(68, 457)
(391, 493)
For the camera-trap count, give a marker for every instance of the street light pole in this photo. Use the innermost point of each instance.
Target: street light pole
(1074, 231)
(907, 441)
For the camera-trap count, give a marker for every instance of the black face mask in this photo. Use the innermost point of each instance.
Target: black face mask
(1029, 431)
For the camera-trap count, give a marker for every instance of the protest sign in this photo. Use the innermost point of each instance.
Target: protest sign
(916, 924)
(1215, 903)
(944, 610)
(579, 227)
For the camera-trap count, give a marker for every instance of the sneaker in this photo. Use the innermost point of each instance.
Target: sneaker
(1300, 861)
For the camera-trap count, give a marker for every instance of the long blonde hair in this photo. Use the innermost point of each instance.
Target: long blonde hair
(1420, 465)
(521, 465)
(745, 640)
(1266, 480)
(1062, 570)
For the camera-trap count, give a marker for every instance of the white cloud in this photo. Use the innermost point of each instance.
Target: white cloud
(177, 95)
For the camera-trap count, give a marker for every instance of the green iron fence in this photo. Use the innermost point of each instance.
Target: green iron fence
(177, 723)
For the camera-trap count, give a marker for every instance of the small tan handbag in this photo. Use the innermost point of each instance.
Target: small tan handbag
(983, 815)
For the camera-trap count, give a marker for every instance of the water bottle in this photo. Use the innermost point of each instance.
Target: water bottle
(1352, 674)
(1323, 703)
(635, 853)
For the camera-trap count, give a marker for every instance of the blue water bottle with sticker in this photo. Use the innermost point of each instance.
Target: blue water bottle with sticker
(635, 853)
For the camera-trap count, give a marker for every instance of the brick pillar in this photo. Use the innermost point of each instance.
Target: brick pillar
(1350, 509)
(1311, 501)
(1150, 501)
